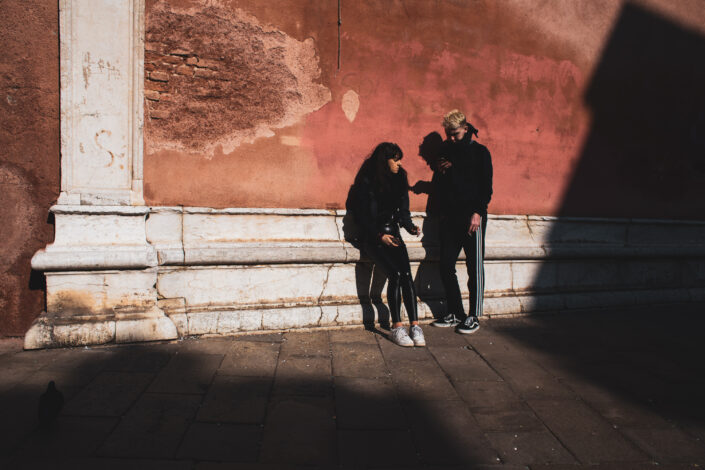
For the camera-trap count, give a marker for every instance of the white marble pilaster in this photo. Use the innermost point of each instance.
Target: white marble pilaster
(102, 76)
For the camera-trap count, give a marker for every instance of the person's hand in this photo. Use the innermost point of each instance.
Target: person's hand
(421, 187)
(389, 240)
(415, 231)
(475, 223)
(444, 164)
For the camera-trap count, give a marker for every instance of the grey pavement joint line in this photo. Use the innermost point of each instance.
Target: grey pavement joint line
(127, 410)
(177, 448)
(578, 398)
(404, 409)
(460, 396)
(521, 399)
(269, 396)
(590, 406)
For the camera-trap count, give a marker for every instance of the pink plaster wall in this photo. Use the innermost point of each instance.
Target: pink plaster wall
(532, 76)
(29, 153)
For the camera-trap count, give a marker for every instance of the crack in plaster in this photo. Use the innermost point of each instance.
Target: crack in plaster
(325, 284)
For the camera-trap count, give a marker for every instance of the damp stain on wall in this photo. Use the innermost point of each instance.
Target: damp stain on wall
(216, 77)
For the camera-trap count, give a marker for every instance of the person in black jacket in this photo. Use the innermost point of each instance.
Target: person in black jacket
(464, 186)
(380, 206)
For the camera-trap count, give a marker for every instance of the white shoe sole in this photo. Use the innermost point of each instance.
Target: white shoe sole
(467, 332)
(449, 325)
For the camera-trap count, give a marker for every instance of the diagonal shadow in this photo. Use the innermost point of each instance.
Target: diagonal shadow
(644, 157)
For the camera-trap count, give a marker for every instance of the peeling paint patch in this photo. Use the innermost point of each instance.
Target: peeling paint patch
(350, 104)
(291, 140)
(218, 77)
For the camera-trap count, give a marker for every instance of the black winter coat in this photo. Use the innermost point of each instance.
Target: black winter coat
(466, 187)
(375, 213)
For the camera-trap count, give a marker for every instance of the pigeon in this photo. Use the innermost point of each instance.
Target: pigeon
(50, 404)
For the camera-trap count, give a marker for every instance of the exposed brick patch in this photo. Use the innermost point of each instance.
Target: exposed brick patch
(229, 78)
(158, 76)
(151, 95)
(158, 114)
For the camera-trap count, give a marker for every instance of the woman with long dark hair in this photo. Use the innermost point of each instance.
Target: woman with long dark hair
(380, 206)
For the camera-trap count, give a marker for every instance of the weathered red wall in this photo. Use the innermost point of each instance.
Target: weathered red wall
(29, 152)
(524, 72)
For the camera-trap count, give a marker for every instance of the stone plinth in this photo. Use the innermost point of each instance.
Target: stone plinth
(132, 274)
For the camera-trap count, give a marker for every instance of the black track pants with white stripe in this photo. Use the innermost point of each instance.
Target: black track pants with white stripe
(453, 233)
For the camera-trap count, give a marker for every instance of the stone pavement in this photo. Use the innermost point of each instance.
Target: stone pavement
(599, 390)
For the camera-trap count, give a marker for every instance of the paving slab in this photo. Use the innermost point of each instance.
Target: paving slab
(307, 375)
(300, 430)
(256, 466)
(70, 436)
(358, 360)
(258, 337)
(18, 419)
(138, 359)
(153, 428)
(363, 403)
(233, 399)
(490, 395)
(94, 463)
(529, 448)
(462, 363)
(393, 353)
(507, 420)
(353, 335)
(222, 442)
(306, 344)
(204, 345)
(585, 433)
(187, 373)
(350, 398)
(375, 448)
(445, 433)
(669, 445)
(436, 336)
(526, 377)
(251, 359)
(421, 380)
(109, 394)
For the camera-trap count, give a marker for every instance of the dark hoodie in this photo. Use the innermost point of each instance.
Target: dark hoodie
(375, 212)
(466, 187)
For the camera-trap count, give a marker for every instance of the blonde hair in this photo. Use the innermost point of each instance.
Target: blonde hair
(453, 120)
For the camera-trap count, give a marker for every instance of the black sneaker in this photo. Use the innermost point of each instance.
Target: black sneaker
(447, 321)
(469, 325)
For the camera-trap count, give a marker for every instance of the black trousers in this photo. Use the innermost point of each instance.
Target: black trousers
(394, 261)
(453, 234)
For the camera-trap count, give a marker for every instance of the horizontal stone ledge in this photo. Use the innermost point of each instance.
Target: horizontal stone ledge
(231, 254)
(99, 210)
(79, 258)
(329, 252)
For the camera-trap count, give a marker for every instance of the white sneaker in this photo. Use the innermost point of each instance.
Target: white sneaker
(416, 334)
(400, 337)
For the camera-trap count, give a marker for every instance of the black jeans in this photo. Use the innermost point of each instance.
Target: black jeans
(453, 234)
(394, 261)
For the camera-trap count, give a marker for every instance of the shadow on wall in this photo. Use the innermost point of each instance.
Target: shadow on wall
(644, 157)
(645, 153)
(428, 278)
